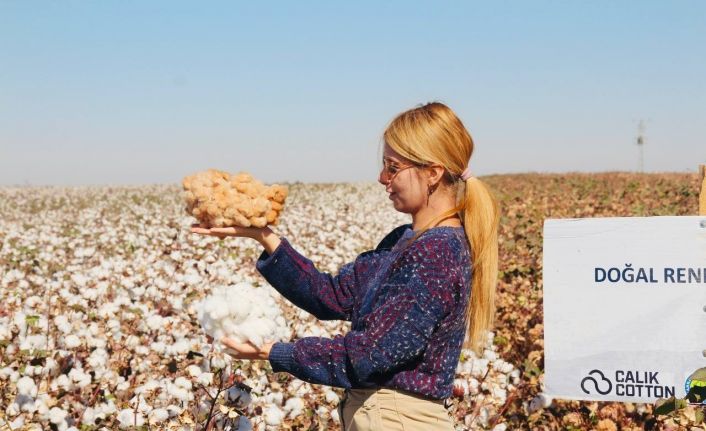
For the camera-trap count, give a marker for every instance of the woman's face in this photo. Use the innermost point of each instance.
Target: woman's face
(403, 182)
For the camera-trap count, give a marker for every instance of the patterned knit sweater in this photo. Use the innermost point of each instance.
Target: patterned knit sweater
(406, 303)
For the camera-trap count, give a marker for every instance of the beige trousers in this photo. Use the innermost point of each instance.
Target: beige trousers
(391, 410)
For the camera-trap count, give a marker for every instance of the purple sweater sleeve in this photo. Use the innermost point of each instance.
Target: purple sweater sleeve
(392, 336)
(325, 296)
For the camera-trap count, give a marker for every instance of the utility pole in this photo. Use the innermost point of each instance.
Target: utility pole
(641, 145)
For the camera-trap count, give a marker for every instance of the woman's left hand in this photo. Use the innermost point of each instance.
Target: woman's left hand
(246, 350)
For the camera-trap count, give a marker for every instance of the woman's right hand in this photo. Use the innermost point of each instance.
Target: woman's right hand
(263, 235)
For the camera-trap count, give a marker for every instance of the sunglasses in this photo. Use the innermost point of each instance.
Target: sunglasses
(391, 168)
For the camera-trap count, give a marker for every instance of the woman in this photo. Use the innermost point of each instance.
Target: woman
(409, 300)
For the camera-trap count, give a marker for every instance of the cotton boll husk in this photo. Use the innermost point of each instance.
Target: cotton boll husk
(237, 397)
(244, 424)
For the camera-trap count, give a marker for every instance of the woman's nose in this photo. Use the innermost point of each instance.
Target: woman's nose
(382, 178)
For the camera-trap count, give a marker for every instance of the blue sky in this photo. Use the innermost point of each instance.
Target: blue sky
(135, 92)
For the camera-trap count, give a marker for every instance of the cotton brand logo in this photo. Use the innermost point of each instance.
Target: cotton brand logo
(597, 382)
(644, 384)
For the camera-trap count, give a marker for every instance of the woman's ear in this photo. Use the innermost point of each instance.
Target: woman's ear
(435, 174)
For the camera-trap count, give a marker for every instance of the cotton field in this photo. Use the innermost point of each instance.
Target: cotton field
(100, 289)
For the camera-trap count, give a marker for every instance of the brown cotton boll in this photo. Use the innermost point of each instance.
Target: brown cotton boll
(242, 177)
(212, 209)
(215, 198)
(254, 190)
(261, 206)
(246, 207)
(240, 187)
(241, 220)
(259, 221)
(277, 193)
(219, 222)
(190, 197)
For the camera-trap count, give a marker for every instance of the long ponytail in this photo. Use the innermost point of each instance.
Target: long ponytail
(480, 221)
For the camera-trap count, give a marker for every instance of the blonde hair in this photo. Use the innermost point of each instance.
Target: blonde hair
(433, 134)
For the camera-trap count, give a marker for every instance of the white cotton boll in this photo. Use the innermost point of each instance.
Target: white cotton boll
(57, 415)
(218, 362)
(334, 416)
(158, 415)
(490, 355)
(34, 342)
(503, 367)
(149, 386)
(515, 376)
(174, 410)
(89, 416)
(179, 347)
(473, 386)
(304, 389)
(128, 418)
(541, 401)
(17, 423)
(159, 347)
(177, 303)
(205, 379)
(62, 324)
(480, 367)
(194, 370)
(62, 382)
(242, 312)
(98, 358)
(51, 366)
(273, 415)
(71, 341)
(274, 398)
(29, 407)
(6, 372)
(295, 407)
(154, 322)
(26, 387)
(331, 396)
(12, 410)
(183, 382)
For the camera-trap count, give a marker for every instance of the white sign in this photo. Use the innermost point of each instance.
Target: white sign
(624, 307)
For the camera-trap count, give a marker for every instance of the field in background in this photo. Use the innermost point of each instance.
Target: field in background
(121, 266)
